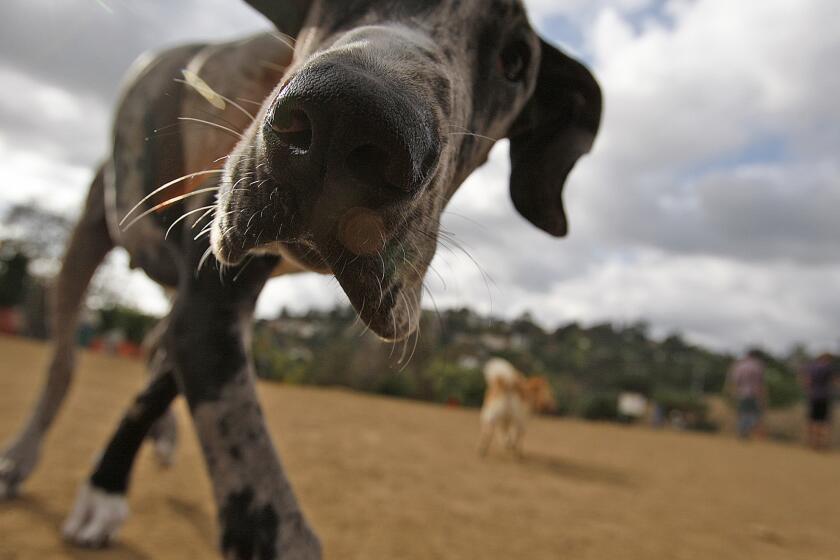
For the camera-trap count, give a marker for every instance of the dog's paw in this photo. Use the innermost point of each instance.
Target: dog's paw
(8, 480)
(96, 517)
(164, 452)
(11, 476)
(17, 461)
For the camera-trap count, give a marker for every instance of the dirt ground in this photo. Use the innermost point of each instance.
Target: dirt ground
(390, 479)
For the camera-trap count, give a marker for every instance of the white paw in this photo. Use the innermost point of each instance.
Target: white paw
(164, 437)
(96, 517)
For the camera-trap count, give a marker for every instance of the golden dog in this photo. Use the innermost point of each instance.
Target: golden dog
(509, 400)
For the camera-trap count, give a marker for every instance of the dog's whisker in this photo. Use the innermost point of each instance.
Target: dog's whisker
(222, 119)
(209, 226)
(381, 291)
(105, 6)
(166, 186)
(467, 131)
(480, 136)
(434, 304)
(284, 38)
(243, 178)
(471, 221)
(169, 202)
(203, 216)
(439, 276)
(408, 311)
(416, 336)
(458, 245)
(364, 330)
(167, 127)
(409, 263)
(359, 314)
(205, 231)
(242, 269)
(203, 259)
(210, 123)
(394, 343)
(251, 101)
(448, 241)
(186, 215)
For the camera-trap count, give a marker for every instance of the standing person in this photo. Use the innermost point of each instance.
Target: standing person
(745, 382)
(818, 380)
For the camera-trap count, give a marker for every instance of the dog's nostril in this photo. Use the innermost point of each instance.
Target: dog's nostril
(293, 128)
(369, 165)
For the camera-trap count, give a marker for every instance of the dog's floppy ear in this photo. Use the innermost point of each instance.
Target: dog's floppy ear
(557, 126)
(286, 15)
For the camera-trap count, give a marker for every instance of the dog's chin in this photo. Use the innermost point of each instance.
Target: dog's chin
(388, 306)
(393, 316)
(386, 302)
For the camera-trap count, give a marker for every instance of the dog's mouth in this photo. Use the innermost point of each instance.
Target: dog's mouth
(359, 245)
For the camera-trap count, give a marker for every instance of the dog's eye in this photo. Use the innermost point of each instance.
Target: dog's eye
(514, 60)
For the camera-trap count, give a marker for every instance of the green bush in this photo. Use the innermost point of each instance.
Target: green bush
(134, 324)
(681, 400)
(599, 406)
(14, 277)
(451, 382)
(397, 384)
(783, 389)
(566, 394)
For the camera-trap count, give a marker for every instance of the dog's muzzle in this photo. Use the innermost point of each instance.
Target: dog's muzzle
(339, 152)
(330, 178)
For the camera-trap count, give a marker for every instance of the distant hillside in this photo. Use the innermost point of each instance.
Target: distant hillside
(587, 366)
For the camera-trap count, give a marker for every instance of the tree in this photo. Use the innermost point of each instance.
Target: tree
(14, 275)
(39, 233)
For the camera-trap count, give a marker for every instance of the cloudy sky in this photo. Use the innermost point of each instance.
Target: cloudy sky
(709, 205)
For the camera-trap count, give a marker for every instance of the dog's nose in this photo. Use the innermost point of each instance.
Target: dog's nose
(345, 122)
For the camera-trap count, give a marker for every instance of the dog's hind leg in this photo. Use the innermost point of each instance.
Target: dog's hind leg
(514, 435)
(486, 436)
(89, 243)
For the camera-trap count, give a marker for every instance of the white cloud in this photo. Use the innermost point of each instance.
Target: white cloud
(28, 176)
(719, 302)
(696, 97)
(581, 10)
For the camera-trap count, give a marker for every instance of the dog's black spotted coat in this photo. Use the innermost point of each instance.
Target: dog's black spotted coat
(250, 531)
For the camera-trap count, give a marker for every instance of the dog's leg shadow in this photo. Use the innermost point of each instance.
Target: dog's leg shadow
(200, 521)
(567, 468)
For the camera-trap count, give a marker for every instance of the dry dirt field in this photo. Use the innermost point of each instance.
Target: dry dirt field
(389, 479)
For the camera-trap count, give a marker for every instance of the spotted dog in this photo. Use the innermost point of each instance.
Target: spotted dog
(332, 146)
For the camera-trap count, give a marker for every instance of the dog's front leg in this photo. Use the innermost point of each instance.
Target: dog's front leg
(258, 512)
